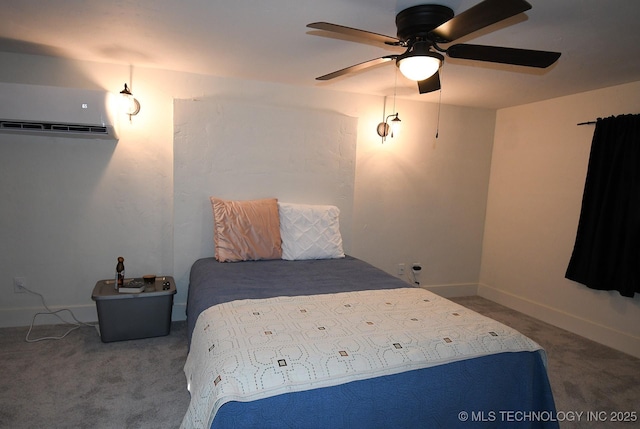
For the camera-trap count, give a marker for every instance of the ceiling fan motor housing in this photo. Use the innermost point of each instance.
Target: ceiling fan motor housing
(416, 22)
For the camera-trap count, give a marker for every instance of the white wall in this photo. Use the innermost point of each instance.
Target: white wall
(538, 171)
(69, 208)
(244, 150)
(423, 199)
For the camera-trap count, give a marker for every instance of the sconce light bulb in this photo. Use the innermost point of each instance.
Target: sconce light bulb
(395, 126)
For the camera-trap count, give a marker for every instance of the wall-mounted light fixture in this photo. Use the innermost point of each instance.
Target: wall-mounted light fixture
(130, 105)
(389, 129)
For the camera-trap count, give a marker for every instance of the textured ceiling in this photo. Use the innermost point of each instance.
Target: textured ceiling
(267, 40)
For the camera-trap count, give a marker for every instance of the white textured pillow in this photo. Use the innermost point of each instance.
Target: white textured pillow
(310, 231)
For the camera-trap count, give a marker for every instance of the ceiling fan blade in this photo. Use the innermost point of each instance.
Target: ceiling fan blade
(497, 54)
(357, 67)
(354, 32)
(429, 85)
(479, 16)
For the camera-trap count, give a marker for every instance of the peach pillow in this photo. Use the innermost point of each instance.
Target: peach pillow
(246, 230)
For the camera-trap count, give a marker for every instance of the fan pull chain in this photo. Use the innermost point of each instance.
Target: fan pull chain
(395, 88)
(438, 120)
(439, 105)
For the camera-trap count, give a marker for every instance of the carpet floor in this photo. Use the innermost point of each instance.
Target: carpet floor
(80, 382)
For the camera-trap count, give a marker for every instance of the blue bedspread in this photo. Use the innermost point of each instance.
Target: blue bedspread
(212, 282)
(489, 392)
(501, 390)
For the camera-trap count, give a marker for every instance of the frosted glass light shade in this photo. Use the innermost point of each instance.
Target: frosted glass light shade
(395, 126)
(419, 67)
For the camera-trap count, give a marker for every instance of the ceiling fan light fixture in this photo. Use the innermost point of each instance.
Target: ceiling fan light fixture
(419, 66)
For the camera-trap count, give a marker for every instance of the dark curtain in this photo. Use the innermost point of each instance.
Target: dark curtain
(606, 254)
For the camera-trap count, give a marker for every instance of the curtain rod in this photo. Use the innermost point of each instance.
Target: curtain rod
(593, 122)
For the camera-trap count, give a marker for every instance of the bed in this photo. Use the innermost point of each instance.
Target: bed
(337, 343)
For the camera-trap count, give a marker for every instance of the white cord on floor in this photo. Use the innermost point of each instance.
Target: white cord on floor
(76, 325)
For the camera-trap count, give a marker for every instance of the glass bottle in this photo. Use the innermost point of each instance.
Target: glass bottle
(119, 273)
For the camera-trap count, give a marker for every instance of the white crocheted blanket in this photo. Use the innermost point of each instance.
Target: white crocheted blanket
(250, 349)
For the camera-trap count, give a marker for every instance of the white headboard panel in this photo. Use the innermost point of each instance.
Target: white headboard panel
(239, 150)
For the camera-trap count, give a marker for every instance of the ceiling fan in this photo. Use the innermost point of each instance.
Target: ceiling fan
(421, 30)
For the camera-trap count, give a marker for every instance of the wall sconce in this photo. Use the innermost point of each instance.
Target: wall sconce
(130, 105)
(389, 129)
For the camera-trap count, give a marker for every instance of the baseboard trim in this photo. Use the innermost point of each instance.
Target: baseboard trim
(18, 317)
(24, 316)
(179, 311)
(453, 290)
(594, 331)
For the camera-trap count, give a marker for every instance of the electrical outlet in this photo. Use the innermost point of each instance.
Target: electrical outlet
(18, 284)
(401, 269)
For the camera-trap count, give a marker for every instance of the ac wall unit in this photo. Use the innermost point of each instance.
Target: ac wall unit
(56, 111)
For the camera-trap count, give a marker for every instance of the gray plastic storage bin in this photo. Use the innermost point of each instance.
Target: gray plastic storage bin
(129, 316)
